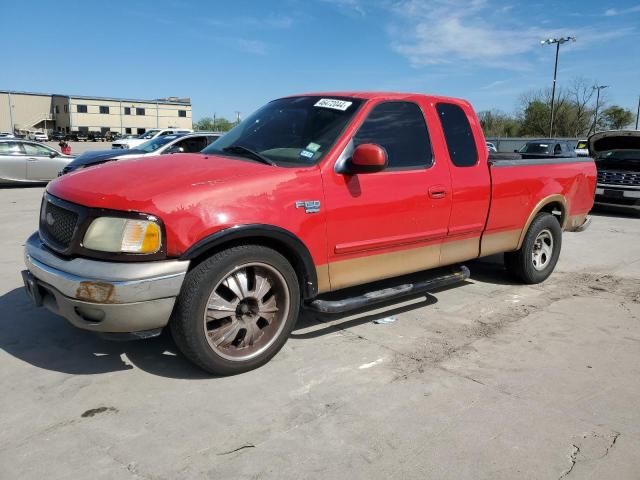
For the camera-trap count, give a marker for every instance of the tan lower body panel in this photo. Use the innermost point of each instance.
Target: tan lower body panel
(322, 272)
(500, 242)
(356, 271)
(575, 221)
(459, 250)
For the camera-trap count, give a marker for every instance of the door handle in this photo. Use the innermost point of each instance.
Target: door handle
(32, 159)
(437, 191)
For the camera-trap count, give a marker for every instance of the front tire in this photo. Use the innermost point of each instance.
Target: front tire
(236, 309)
(540, 250)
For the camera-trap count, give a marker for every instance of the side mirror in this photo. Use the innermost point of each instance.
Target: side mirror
(53, 154)
(368, 158)
(515, 151)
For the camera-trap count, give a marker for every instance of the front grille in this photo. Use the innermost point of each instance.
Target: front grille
(616, 177)
(58, 223)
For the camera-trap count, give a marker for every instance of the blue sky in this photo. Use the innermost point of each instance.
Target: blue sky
(235, 56)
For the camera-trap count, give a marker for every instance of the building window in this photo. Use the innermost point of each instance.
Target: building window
(140, 111)
(127, 130)
(127, 111)
(182, 113)
(57, 108)
(104, 109)
(82, 109)
(141, 131)
(66, 108)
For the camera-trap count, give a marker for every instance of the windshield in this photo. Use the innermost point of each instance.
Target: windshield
(149, 134)
(156, 143)
(290, 131)
(582, 145)
(535, 147)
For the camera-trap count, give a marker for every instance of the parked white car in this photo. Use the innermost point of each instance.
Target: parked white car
(125, 143)
(491, 147)
(582, 148)
(166, 144)
(7, 135)
(39, 136)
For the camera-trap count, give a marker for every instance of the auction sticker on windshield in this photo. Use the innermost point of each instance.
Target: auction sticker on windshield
(341, 105)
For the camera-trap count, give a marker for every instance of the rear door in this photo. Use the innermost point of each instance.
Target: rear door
(470, 180)
(13, 164)
(390, 222)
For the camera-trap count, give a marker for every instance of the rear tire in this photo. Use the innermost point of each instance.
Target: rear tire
(236, 309)
(540, 250)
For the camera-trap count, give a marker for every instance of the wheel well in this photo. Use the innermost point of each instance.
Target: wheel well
(307, 279)
(557, 210)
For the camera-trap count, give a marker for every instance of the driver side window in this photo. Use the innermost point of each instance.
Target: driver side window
(399, 128)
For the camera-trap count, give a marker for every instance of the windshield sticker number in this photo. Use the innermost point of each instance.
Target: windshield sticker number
(306, 153)
(334, 104)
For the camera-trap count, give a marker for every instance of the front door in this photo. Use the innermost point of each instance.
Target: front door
(40, 165)
(391, 222)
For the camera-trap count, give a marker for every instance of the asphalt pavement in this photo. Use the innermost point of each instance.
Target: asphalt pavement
(486, 380)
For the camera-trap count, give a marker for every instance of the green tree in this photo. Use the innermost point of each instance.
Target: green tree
(220, 124)
(616, 117)
(499, 124)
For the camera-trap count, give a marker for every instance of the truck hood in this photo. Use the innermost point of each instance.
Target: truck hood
(614, 140)
(160, 184)
(616, 149)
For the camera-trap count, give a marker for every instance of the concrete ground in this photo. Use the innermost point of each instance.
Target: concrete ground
(487, 380)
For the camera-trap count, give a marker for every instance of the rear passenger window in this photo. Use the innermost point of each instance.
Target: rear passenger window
(457, 132)
(399, 128)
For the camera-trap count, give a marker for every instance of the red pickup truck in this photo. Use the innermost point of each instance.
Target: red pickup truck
(311, 194)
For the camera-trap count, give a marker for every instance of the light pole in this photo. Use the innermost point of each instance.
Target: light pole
(558, 42)
(638, 114)
(595, 117)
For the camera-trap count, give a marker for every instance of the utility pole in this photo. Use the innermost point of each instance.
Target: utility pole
(638, 114)
(237, 118)
(214, 121)
(558, 42)
(13, 125)
(595, 117)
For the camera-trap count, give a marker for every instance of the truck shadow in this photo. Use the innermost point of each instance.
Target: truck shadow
(47, 341)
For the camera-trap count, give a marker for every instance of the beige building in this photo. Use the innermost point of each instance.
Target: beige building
(24, 112)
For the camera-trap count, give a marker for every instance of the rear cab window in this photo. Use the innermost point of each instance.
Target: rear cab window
(399, 128)
(458, 135)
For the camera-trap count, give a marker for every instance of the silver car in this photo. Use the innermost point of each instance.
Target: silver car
(23, 162)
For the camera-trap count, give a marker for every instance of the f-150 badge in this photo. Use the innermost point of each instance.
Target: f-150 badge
(310, 206)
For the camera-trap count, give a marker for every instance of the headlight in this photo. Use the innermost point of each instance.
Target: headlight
(112, 234)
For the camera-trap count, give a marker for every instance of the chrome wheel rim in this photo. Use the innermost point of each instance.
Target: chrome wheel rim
(246, 311)
(542, 250)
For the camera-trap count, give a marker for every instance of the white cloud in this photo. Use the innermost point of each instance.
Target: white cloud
(613, 12)
(349, 5)
(445, 31)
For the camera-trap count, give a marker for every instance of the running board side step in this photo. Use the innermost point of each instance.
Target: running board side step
(342, 305)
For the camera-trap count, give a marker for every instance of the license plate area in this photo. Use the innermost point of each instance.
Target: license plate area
(32, 288)
(614, 193)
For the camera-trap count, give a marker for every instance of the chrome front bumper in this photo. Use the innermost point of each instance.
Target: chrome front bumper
(103, 296)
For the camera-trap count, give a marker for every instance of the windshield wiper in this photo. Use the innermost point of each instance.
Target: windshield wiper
(247, 152)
